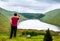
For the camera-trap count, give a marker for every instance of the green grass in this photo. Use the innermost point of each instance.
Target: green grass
(23, 38)
(4, 23)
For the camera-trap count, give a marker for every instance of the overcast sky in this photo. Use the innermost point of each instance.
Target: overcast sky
(31, 6)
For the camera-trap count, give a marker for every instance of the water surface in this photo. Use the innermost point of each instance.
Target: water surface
(37, 24)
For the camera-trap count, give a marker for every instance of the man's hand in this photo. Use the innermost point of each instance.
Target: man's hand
(19, 16)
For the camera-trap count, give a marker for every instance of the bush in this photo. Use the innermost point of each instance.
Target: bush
(47, 36)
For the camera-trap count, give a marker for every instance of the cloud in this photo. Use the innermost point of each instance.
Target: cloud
(50, 1)
(57, 1)
(31, 6)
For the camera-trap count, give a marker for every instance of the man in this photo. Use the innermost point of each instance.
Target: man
(13, 22)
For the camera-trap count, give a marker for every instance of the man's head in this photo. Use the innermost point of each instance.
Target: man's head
(15, 14)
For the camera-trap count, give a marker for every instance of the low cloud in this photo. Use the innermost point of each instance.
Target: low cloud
(31, 6)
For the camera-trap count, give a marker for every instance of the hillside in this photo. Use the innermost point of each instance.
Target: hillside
(5, 12)
(4, 20)
(4, 24)
(10, 13)
(24, 16)
(52, 17)
(32, 15)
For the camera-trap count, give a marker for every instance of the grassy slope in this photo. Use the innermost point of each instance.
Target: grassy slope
(5, 12)
(4, 24)
(4, 20)
(10, 13)
(52, 17)
(34, 38)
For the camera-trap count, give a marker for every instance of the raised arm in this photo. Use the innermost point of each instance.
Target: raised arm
(19, 16)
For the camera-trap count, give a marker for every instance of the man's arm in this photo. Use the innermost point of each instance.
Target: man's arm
(19, 16)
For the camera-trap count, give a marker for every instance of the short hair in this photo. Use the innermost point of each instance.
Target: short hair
(15, 14)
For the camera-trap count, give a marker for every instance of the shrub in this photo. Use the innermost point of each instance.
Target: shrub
(47, 36)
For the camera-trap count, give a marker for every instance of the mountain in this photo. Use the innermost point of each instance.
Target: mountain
(24, 16)
(10, 13)
(52, 17)
(32, 15)
(5, 16)
(6, 12)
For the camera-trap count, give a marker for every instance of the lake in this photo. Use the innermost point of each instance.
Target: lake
(37, 24)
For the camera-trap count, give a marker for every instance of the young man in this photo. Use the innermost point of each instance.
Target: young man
(13, 22)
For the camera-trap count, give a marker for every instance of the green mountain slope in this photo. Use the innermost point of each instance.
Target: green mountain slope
(4, 20)
(10, 13)
(5, 12)
(32, 15)
(4, 24)
(52, 17)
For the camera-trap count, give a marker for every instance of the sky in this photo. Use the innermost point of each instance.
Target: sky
(30, 6)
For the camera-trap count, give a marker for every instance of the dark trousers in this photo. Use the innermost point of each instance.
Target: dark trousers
(13, 31)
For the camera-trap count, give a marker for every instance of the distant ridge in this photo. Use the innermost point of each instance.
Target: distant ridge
(52, 17)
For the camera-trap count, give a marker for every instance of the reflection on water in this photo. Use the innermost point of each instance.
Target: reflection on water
(37, 24)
